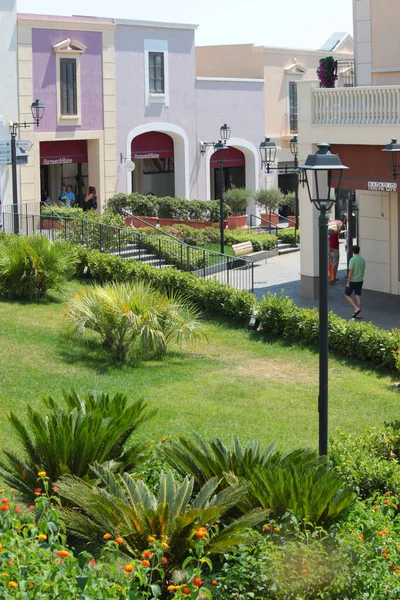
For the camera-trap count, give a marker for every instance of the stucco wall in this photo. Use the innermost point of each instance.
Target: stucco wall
(229, 61)
(91, 80)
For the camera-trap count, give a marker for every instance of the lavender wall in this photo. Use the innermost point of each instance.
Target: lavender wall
(44, 77)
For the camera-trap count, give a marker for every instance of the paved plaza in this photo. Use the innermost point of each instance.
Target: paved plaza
(283, 273)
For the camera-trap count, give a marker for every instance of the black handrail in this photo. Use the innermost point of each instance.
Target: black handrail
(270, 224)
(158, 229)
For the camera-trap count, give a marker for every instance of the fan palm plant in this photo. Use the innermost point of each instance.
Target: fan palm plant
(30, 266)
(68, 439)
(298, 480)
(125, 507)
(133, 318)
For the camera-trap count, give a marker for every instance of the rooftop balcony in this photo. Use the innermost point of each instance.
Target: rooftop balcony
(356, 106)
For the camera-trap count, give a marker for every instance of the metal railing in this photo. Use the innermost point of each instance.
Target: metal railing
(126, 242)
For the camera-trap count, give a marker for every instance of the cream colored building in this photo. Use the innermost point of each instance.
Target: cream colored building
(359, 122)
(281, 69)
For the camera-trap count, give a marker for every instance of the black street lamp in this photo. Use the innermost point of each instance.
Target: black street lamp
(37, 110)
(392, 157)
(323, 164)
(268, 153)
(225, 133)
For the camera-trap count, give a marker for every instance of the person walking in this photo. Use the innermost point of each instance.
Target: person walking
(91, 198)
(355, 279)
(334, 250)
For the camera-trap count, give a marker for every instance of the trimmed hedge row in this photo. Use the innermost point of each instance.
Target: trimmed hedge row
(364, 341)
(278, 315)
(167, 207)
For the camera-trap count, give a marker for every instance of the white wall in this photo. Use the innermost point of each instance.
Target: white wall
(9, 87)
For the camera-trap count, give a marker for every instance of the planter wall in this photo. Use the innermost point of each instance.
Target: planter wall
(166, 222)
(238, 222)
(292, 220)
(270, 217)
(49, 224)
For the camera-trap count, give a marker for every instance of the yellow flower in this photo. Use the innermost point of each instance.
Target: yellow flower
(164, 545)
(13, 584)
(42, 474)
(42, 536)
(5, 575)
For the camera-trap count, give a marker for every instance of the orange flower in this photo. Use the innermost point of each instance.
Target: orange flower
(197, 581)
(380, 533)
(62, 553)
(186, 591)
(128, 568)
(361, 536)
(151, 539)
(386, 501)
(4, 507)
(37, 491)
(387, 494)
(145, 563)
(164, 560)
(107, 536)
(214, 582)
(304, 571)
(119, 540)
(397, 571)
(276, 528)
(13, 584)
(385, 532)
(200, 533)
(375, 508)
(164, 439)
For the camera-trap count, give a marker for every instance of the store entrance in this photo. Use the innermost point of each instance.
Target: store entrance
(233, 168)
(62, 164)
(153, 154)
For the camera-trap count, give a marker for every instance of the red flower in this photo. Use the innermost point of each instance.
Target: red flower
(32, 507)
(31, 586)
(197, 581)
(119, 540)
(62, 553)
(145, 563)
(186, 591)
(4, 501)
(267, 528)
(148, 554)
(375, 508)
(128, 568)
(386, 501)
(164, 560)
(92, 561)
(200, 533)
(4, 507)
(17, 509)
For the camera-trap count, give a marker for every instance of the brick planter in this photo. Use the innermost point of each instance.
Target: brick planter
(238, 222)
(292, 220)
(271, 218)
(166, 222)
(49, 223)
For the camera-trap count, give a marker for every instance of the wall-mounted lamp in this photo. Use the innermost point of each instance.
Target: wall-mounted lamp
(127, 163)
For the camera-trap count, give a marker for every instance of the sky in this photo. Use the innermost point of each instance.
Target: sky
(290, 23)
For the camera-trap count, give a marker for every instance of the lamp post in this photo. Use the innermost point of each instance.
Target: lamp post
(37, 110)
(268, 154)
(392, 157)
(323, 163)
(225, 134)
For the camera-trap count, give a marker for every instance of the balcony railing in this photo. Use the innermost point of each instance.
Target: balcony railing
(357, 106)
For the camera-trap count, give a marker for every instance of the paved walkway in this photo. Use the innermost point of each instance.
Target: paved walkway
(283, 273)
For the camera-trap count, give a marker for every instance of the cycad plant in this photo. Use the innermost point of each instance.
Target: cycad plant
(134, 319)
(125, 507)
(68, 439)
(298, 480)
(30, 266)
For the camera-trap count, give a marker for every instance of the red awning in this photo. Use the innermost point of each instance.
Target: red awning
(232, 157)
(367, 166)
(61, 153)
(152, 145)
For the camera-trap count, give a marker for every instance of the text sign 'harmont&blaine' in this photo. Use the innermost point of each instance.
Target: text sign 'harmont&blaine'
(382, 186)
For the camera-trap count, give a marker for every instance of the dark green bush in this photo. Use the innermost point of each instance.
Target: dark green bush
(287, 235)
(364, 341)
(62, 211)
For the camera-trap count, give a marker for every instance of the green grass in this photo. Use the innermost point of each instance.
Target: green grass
(217, 248)
(238, 382)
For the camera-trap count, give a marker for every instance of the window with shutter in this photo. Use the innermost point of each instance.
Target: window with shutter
(68, 86)
(156, 73)
(293, 106)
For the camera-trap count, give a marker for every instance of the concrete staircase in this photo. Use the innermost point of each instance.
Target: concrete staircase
(287, 248)
(132, 251)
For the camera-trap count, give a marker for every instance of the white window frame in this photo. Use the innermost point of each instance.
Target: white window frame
(69, 49)
(292, 79)
(149, 97)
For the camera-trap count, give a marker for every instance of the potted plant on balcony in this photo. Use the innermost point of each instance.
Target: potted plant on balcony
(290, 201)
(327, 72)
(238, 200)
(269, 200)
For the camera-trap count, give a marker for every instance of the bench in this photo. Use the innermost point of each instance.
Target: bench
(242, 248)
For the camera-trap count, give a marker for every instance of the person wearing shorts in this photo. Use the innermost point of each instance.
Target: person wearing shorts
(355, 281)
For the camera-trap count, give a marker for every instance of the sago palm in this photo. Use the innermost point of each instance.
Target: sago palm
(125, 507)
(68, 439)
(133, 318)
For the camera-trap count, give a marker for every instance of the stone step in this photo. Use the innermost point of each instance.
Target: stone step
(288, 249)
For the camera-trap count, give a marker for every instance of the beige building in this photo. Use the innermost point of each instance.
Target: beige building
(358, 122)
(282, 69)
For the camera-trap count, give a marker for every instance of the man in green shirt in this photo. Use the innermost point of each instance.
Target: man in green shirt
(355, 280)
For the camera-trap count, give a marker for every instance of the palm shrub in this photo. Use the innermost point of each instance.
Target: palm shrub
(124, 506)
(70, 438)
(297, 480)
(134, 319)
(30, 266)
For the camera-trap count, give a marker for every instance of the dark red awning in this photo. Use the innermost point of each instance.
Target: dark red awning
(152, 145)
(232, 157)
(367, 165)
(66, 152)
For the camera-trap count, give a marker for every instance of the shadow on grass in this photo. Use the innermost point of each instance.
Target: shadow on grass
(265, 337)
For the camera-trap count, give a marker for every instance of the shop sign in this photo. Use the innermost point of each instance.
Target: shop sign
(382, 186)
(146, 155)
(57, 161)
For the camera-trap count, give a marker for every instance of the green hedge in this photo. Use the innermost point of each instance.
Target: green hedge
(364, 341)
(287, 235)
(209, 295)
(167, 208)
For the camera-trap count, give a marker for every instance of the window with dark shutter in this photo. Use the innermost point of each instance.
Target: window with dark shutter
(68, 94)
(156, 73)
(293, 106)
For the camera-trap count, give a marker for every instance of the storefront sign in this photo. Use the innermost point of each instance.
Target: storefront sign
(145, 155)
(382, 186)
(56, 161)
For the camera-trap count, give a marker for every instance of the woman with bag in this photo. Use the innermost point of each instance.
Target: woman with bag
(91, 198)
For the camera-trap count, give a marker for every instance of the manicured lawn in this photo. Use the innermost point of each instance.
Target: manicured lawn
(236, 383)
(217, 248)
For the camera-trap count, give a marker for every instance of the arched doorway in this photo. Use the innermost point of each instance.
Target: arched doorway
(233, 167)
(153, 155)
